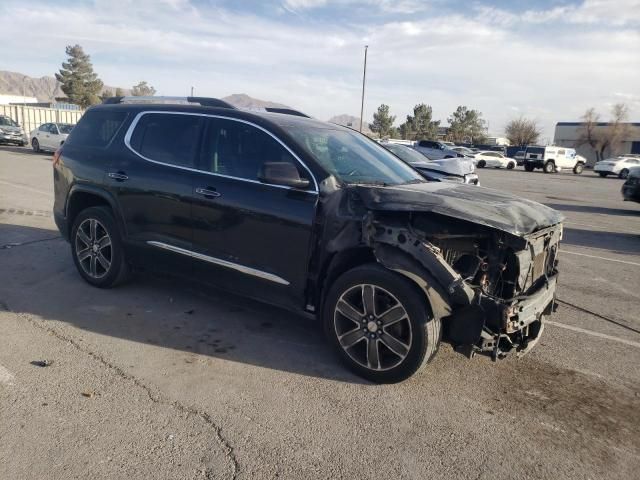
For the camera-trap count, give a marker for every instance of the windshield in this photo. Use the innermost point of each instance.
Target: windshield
(65, 128)
(352, 157)
(407, 154)
(7, 122)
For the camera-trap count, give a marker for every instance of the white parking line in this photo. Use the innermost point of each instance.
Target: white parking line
(24, 187)
(602, 258)
(6, 377)
(631, 343)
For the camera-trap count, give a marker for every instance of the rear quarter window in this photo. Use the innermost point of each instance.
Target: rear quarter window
(96, 128)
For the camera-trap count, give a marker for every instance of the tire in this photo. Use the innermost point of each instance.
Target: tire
(102, 265)
(511, 166)
(602, 174)
(578, 168)
(481, 164)
(35, 145)
(415, 336)
(549, 167)
(528, 167)
(624, 173)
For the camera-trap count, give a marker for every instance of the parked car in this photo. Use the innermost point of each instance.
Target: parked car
(310, 216)
(459, 170)
(11, 132)
(435, 150)
(467, 152)
(519, 157)
(631, 188)
(494, 160)
(49, 136)
(620, 165)
(553, 159)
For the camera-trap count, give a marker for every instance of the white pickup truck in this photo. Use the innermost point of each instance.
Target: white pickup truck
(553, 159)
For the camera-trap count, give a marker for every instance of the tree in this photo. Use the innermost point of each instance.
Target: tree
(79, 82)
(420, 125)
(143, 89)
(382, 122)
(522, 132)
(119, 92)
(610, 137)
(466, 126)
(106, 94)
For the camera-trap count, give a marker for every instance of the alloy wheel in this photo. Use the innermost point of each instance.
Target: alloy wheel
(93, 248)
(372, 327)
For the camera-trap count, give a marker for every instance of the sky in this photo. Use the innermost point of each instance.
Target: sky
(548, 60)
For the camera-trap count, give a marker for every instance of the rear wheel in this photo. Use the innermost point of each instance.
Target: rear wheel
(482, 164)
(578, 168)
(549, 167)
(602, 174)
(511, 166)
(528, 167)
(624, 173)
(380, 324)
(35, 145)
(97, 248)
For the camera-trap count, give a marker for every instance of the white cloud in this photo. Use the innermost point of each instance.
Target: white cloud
(484, 59)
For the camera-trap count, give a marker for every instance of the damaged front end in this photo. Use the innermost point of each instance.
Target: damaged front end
(492, 288)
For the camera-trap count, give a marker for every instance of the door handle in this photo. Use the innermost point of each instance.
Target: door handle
(207, 192)
(118, 176)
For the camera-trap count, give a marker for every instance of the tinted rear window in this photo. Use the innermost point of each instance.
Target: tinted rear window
(167, 138)
(96, 128)
(535, 150)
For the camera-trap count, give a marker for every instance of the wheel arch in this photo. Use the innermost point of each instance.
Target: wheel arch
(82, 197)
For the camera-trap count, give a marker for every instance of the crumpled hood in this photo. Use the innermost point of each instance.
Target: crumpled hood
(7, 128)
(451, 166)
(480, 205)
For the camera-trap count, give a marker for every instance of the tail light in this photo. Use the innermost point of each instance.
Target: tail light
(56, 157)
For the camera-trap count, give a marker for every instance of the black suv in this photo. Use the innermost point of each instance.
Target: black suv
(312, 217)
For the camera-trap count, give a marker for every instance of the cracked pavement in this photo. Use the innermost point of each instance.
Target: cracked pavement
(158, 379)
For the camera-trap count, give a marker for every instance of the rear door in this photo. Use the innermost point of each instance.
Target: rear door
(249, 236)
(152, 181)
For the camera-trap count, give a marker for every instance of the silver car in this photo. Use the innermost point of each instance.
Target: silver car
(11, 132)
(452, 169)
(436, 150)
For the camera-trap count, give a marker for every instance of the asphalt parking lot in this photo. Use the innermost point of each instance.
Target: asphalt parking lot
(157, 379)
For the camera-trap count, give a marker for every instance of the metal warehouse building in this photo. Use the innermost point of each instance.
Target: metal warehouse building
(567, 134)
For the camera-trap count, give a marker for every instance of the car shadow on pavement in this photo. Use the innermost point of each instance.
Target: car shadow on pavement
(24, 151)
(622, 243)
(38, 278)
(631, 212)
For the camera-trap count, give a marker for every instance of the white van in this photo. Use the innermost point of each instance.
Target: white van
(553, 159)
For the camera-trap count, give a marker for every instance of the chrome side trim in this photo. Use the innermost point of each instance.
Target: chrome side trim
(127, 142)
(224, 263)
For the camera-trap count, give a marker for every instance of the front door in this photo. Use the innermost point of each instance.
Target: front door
(152, 180)
(252, 237)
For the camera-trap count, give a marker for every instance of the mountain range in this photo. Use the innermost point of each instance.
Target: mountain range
(46, 89)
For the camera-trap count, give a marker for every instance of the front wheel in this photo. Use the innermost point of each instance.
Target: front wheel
(624, 173)
(578, 168)
(511, 166)
(482, 164)
(380, 324)
(528, 167)
(97, 248)
(549, 167)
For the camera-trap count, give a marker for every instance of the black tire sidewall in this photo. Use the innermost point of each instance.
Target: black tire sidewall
(105, 217)
(624, 173)
(578, 169)
(36, 145)
(482, 163)
(426, 331)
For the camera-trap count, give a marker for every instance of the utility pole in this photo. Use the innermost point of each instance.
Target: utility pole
(192, 91)
(364, 79)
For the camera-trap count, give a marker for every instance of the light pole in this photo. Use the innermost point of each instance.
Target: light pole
(192, 91)
(364, 78)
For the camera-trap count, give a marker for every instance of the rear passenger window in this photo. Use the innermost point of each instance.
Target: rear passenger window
(167, 138)
(560, 152)
(96, 128)
(240, 150)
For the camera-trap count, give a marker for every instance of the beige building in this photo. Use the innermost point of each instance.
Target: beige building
(567, 134)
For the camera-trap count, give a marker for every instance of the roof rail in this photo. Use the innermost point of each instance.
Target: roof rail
(203, 101)
(286, 111)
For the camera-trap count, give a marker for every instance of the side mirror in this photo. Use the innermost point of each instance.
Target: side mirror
(282, 173)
